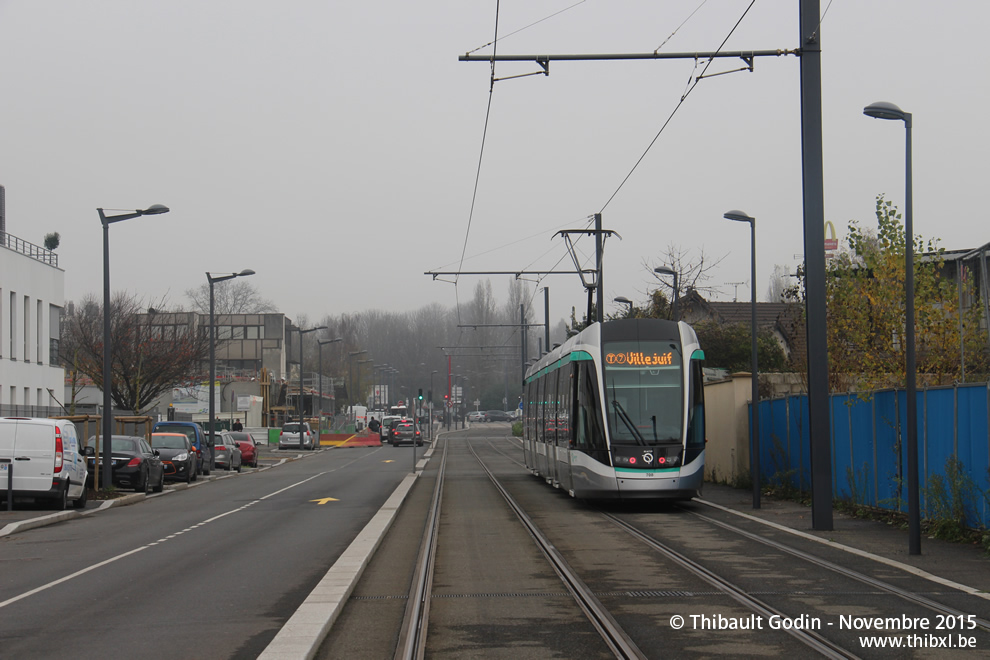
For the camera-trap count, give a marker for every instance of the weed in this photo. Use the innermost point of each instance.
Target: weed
(949, 497)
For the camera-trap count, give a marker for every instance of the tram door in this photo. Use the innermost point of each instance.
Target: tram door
(550, 424)
(565, 397)
(541, 428)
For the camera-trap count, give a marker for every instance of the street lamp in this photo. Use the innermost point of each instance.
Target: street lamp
(624, 301)
(361, 375)
(663, 270)
(350, 378)
(432, 373)
(213, 359)
(316, 440)
(320, 343)
(884, 110)
(740, 216)
(107, 461)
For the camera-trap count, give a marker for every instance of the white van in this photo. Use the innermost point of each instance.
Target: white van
(46, 459)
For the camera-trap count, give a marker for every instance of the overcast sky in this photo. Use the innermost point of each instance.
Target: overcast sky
(333, 146)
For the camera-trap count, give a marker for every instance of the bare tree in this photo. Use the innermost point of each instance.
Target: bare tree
(692, 273)
(147, 359)
(236, 296)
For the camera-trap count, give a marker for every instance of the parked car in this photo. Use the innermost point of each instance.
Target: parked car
(134, 463)
(47, 461)
(258, 433)
(406, 431)
(177, 455)
(226, 453)
(476, 416)
(289, 437)
(497, 416)
(244, 442)
(197, 437)
(386, 430)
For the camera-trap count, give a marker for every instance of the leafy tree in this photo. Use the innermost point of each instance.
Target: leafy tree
(52, 241)
(865, 309)
(236, 296)
(147, 359)
(729, 346)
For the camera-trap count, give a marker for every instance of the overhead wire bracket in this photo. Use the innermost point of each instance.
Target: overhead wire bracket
(544, 64)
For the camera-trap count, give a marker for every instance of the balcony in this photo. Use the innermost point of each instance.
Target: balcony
(29, 249)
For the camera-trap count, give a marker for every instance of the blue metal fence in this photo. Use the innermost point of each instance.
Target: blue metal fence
(868, 460)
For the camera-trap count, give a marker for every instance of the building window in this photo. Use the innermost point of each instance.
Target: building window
(13, 325)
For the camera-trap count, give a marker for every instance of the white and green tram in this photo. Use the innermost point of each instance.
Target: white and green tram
(618, 412)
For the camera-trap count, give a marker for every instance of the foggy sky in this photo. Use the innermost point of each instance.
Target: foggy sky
(333, 147)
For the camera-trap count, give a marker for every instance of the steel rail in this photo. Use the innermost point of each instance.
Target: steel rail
(415, 622)
(811, 639)
(847, 572)
(612, 633)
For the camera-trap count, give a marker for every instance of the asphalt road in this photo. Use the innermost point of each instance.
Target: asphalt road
(211, 571)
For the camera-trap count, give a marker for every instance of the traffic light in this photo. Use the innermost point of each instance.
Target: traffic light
(421, 394)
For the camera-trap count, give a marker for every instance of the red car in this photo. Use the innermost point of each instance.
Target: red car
(244, 441)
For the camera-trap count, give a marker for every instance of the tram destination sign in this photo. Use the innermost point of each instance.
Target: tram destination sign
(640, 359)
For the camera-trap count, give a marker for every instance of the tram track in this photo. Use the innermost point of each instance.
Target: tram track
(480, 587)
(918, 599)
(810, 638)
(814, 641)
(611, 632)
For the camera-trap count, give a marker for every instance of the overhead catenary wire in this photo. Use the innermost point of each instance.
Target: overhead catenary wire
(477, 176)
(683, 23)
(676, 108)
(526, 27)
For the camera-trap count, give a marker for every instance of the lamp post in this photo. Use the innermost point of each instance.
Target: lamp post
(740, 216)
(620, 299)
(432, 373)
(663, 270)
(213, 359)
(884, 110)
(361, 374)
(463, 404)
(320, 343)
(350, 379)
(106, 221)
(316, 440)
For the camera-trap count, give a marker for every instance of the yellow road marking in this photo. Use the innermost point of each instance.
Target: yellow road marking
(325, 500)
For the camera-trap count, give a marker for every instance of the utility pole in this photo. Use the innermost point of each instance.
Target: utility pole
(809, 50)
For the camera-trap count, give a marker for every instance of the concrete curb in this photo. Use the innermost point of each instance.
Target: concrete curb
(304, 632)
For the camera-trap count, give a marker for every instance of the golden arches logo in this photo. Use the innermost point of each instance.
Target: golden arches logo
(831, 242)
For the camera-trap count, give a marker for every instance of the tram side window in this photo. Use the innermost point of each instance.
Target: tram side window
(696, 409)
(589, 434)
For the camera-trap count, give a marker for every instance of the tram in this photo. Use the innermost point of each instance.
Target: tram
(618, 412)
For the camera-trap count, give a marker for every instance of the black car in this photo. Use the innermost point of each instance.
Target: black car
(177, 455)
(135, 464)
(498, 416)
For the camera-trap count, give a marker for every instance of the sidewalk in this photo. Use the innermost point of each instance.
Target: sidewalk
(952, 563)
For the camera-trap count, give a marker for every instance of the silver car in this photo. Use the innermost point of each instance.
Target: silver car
(226, 453)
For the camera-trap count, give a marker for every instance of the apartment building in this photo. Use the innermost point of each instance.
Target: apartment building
(32, 296)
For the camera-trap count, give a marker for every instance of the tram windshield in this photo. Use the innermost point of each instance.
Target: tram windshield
(643, 392)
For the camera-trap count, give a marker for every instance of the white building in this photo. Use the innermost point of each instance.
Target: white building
(32, 295)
